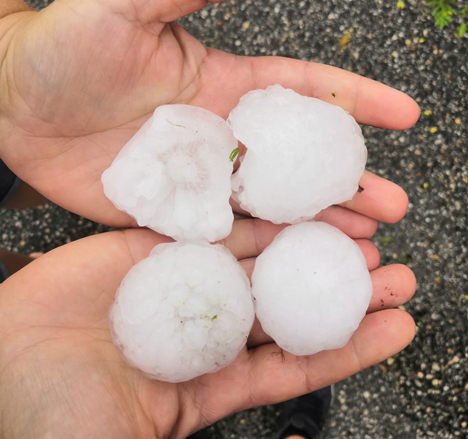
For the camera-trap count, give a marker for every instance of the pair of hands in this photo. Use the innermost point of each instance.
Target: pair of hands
(77, 80)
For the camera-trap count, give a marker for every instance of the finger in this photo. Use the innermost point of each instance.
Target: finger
(379, 199)
(236, 208)
(354, 224)
(393, 286)
(249, 237)
(142, 241)
(368, 101)
(258, 336)
(370, 252)
(276, 375)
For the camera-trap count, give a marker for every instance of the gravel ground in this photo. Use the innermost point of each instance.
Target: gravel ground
(423, 391)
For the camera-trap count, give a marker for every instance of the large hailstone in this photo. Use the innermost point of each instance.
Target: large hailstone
(303, 155)
(184, 311)
(312, 288)
(174, 174)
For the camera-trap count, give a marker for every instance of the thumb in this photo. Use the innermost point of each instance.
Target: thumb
(151, 11)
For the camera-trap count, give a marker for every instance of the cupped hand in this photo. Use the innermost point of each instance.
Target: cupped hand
(61, 376)
(79, 78)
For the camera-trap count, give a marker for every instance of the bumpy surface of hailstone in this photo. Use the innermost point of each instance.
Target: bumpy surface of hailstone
(303, 155)
(184, 311)
(174, 174)
(312, 288)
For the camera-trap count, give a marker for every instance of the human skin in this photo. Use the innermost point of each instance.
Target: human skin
(79, 78)
(61, 375)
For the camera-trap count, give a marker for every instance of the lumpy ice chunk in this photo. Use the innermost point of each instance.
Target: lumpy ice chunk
(303, 155)
(174, 174)
(312, 288)
(184, 311)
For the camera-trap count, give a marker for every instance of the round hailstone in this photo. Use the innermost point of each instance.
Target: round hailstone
(174, 174)
(184, 311)
(303, 155)
(312, 288)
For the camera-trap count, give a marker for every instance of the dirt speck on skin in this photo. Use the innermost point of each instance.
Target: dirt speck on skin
(360, 189)
(281, 353)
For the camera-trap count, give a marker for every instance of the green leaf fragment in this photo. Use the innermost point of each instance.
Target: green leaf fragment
(462, 30)
(386, 240)
(214, 317)
(233, 155)
(442, 11)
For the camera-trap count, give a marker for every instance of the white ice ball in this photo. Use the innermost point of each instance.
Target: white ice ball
(311, 288)
(184, 311)
(174, 174)
(303, 155)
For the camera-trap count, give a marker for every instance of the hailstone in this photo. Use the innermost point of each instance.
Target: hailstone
(311, 288)
(184, 311)
(174, 174)
(303, 155)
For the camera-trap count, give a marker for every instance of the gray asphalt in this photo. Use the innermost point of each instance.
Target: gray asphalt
(423, 391)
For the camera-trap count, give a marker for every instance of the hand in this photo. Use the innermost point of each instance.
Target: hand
(81, 77)
(61, 373)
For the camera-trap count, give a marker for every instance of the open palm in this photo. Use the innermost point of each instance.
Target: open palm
(80, 78)
(61, 376)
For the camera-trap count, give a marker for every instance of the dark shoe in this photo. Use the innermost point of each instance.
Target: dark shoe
(305, 416)
(4, 275)
(202, 434)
